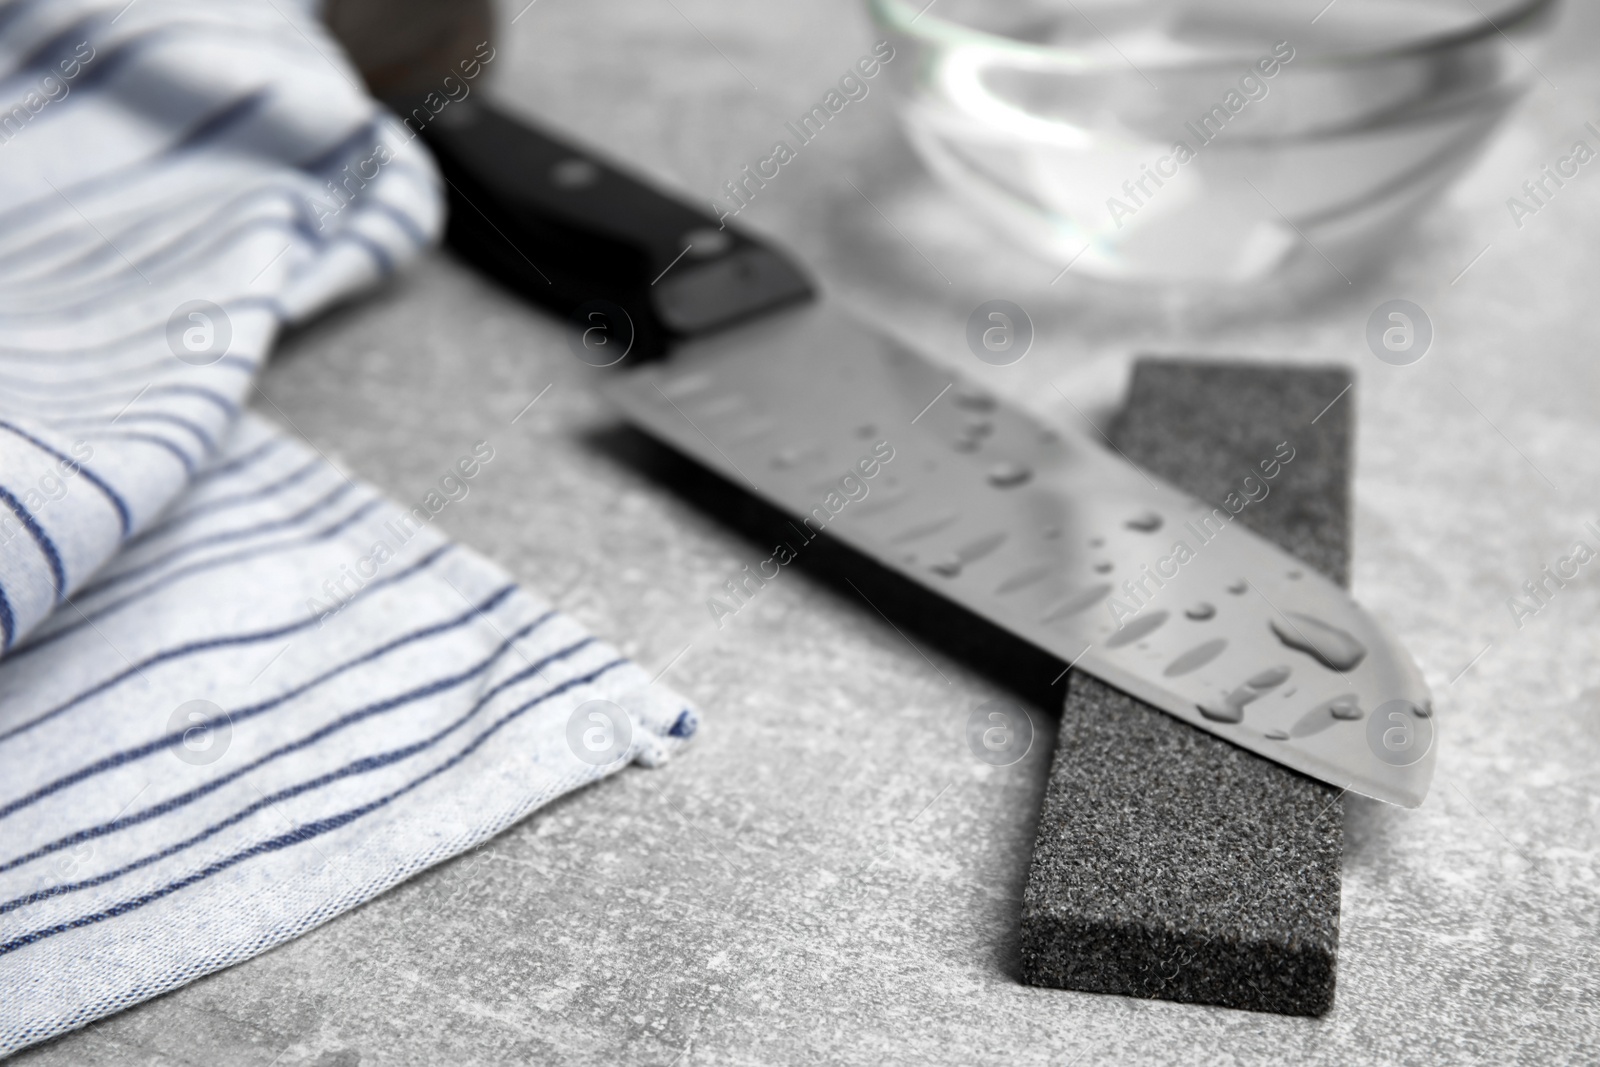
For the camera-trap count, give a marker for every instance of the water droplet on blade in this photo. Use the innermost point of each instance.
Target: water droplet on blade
(756, 426)
(1103, 567)
(1345, 709)
(1196, 657)
(1270, 678)
(1135, 629)
(1227, 713)
(1077, 602)
(1148, 522)
(1323, 716)
(1276, 735)
(794, 455)
(1328, 645)
(688, 385)
(879, 503)
(1008, 475)
(925, 528)
(948, 566)
(1201, 612)
(1024, 578)
(976, 549)
(1241, 696)
(1238, 588)
(717, 406)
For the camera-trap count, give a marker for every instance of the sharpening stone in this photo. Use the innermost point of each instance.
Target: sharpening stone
(1169, 863)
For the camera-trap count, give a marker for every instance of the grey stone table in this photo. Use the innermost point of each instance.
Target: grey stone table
(827, 875)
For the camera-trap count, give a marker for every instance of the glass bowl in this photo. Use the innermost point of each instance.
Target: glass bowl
(1213, 141)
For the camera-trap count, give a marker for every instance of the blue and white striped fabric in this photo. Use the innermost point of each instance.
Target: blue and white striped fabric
(241, 693)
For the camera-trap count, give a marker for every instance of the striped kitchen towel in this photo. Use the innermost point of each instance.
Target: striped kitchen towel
(240, 691)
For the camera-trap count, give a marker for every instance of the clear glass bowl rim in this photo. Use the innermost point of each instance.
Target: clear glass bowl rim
(920, 23)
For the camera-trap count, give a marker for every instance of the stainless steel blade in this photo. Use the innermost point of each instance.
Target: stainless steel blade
(1051, 537)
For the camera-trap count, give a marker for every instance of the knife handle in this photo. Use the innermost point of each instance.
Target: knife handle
(580, 235)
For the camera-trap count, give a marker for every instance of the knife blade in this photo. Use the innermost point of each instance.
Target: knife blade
(1048, 535)
(1032, 527)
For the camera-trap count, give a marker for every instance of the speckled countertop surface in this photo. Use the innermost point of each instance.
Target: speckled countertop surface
(827, 875)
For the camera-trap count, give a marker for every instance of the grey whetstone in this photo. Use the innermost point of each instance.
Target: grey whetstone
(1170, 863)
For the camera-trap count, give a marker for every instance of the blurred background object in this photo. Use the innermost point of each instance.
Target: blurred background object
(1206, 141)
(403, 45)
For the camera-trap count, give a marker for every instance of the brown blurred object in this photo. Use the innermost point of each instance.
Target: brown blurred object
(399, 45)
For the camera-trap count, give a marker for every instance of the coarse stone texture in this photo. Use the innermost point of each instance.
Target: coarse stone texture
(1170, 863)
(1204, 426)
(826, 875)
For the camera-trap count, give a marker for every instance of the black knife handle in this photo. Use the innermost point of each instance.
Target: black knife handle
(576, 233)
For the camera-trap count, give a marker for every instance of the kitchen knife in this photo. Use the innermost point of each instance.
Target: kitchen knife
(861, 438)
